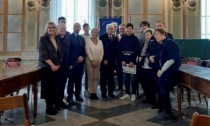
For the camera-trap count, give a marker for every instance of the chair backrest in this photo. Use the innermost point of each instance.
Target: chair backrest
(200, 120)
(12, 62)
(12, 102)
(191, 60)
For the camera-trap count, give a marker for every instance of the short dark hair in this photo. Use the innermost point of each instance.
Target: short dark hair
(129, 25)
(145, 23)
(61, 18)
(85, 25)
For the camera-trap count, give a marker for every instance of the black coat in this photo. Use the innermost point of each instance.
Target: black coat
(154, 49)
(110, 48)
(77, 48)
(47, 52)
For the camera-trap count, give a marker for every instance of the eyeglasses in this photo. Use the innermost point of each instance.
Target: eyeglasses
(51, 27)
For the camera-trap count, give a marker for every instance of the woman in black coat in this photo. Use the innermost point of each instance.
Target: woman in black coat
(49, 61)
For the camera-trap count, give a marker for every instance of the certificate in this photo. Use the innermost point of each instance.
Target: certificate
(129, 70)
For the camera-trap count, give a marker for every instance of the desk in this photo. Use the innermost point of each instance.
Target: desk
(193, 77)
(15, 78)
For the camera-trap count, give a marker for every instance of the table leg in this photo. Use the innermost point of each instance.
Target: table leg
(189, 96)
(179, 100)
(35, 90)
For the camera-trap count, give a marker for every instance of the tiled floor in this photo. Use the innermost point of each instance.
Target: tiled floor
(111, 112)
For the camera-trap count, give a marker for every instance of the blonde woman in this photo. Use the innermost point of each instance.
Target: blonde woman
(49, 60)
(95, 52)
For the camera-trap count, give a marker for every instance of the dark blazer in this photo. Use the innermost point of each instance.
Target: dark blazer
(66, 51)
(169, 50)
(48, 52)
(110, 48)
(154, 49)
(77, 48)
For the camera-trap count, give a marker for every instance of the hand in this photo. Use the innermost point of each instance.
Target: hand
(105, 62)
(140, 59)
(70, 67)
(80, 59)
(130, 65)
(151, 59)
(95, 63)
(55, 68)
(159, 73)
(124, 63)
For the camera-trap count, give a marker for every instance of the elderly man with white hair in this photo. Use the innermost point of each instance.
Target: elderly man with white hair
(108, 62)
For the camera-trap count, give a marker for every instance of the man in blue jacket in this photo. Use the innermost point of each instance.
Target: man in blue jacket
(128, 50)
(78, 59)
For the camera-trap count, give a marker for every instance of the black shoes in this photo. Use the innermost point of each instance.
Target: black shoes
(79, 98)
(93, 96)
(51, 111)
(63, 105)
(104, 96)
(160, 110)
(71, 101)
(166, 116)
(111, 95)
(155, 107)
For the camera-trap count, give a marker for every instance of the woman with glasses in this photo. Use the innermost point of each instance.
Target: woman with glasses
(49, 62)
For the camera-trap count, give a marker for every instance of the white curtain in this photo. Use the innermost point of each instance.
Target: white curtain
(81, 11)
(55, 10)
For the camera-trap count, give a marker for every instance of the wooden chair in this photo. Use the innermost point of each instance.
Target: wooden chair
(13, 102)
(15, 62)
(200, 120)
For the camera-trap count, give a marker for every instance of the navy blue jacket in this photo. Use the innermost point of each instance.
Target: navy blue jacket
(129, 48)
(110, 48)
(65, 47)
(154, 49)
(77, 48)
(169, 49)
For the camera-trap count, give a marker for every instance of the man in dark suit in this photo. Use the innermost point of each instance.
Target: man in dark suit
(66, 63)
(108, 62)
(78, 59)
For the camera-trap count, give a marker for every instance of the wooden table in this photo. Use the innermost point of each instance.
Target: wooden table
(13, 79)
(193, 77)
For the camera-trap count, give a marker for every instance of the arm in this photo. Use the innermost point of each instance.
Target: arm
(105, 57)
(136, 50)
(43, 52)
(102, 51)
(83, 42)
(88, 52)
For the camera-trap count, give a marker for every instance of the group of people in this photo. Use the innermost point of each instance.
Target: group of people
(64, 56)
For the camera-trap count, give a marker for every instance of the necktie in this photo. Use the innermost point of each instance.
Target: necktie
(110, 38)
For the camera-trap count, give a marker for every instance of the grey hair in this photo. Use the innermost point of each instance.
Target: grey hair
(95, 30)
(114, 23)
(109, 25)
(150, 30)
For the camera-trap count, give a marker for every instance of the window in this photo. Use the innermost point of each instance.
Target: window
(81, 11)
(205, 19)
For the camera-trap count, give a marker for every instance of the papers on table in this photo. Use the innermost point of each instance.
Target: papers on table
(129, 70)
